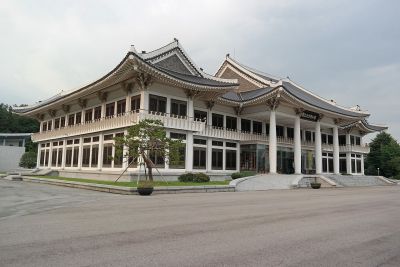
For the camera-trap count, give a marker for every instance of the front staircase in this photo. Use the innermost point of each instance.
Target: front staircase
(266, 182)
(358, 180)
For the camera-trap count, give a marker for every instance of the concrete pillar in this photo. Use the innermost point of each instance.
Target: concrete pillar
(272, 142)
(125, 160)
(168, 107)
(103, 110)
(297, 146)
(318, 148)
(80, 153)
(238, 157)
(209, 154)
(50, 155)
(239, 124)
(189, 152)
(362, 164)
(100, 160)
(348, 154)
(128, 103)
(38, 156)
(336, 169)
(190, 111)
(64, 153)
(144, 101)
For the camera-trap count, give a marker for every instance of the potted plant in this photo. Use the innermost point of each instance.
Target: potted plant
(315, 184)
(145, 187)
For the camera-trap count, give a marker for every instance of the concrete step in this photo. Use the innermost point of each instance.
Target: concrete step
(357, 180)
(266, 182)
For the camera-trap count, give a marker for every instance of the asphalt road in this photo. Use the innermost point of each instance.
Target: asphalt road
(44, 225)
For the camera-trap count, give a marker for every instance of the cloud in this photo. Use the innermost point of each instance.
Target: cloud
(345, 50)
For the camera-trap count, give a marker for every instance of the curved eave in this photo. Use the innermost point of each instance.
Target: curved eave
(363, 125)
(131, 62)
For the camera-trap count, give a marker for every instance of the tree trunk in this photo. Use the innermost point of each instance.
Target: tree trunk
(149, 165)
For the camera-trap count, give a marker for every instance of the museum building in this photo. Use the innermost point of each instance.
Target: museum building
(238, 119)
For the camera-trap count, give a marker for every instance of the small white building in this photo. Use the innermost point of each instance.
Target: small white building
(12, 147)
(237, 119)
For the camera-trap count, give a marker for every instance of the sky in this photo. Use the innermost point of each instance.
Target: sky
(348, 51)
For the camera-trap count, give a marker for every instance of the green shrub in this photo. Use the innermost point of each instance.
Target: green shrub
(28, 160)
(194, 177)
(145, 184)
(397, 177)
(242, 174)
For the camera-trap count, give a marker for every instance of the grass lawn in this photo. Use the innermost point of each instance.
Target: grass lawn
(133, 184)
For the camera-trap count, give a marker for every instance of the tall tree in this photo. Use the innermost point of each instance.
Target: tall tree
(385, 155)
(14, 123)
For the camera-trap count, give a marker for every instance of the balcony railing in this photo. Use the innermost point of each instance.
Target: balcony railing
(120, 121)
(354, 148)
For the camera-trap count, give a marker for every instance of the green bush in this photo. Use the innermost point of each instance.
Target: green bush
(397, 177)
(242, 174)
(28, 160)
(194, 177)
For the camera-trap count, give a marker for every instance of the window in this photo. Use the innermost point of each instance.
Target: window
(118, 159)
(88, 115)
(290, 132)
(54, 157)
(97, 113)
(267, 128)
(231, 123)
(157, 158)
(86, 156)
(342, 140)
(68, 157)
(246, 125)
(230, 159)
(76, 157)
(330, 139)
(279, 131)
(257, 127)
(179, 162)
(107, 155)
(59, 159)
(49, 125)
(217, 120)
(76, 141)
(78, 118)
(178, 108)
(95, 156)
(57, 123)
(308, 136)
(199, 158)
(121, 106)
(96, 139)
(108, 137)
(87, 140)
(135, 102)
(42, 158)
(177, 136)
(71, 119)
(158, 104)
(199, 141)
(217, 143)
(324, 138)
(200, 115)
(44, 126)
(62, 124)
(358, 141)
(229, 144)
(216, 159)
(110, 109)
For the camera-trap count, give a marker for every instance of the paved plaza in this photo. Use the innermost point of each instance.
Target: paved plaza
(45, 225)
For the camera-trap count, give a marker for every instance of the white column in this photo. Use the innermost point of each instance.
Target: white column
(239, 124)
(4, 141)
(41, 126)
(38, 156)
(209, 117)
(64, 153)
(238, 157)
(144, 101)
(128, 103)
(100, 160)
(50, 155)
(272, 142)
(297, 146)
(80, 153)
(125, 160)
(362, 164)
(103, 109)
(209, 154)
(336, 150)
(318, 148)
(190, 111)
(263, 128)
(189, 152)
(168, 107)
(348, 154)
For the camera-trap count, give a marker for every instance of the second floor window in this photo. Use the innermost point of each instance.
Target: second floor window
(231, 123)
(71, 119)
(121, 106)
(158, 104)
(135, 103)
(110, 109)
(217, 120)
(200, 115)
(88, 115)
(257, 127)
(97, 113)
(246, 125)
(178, 108)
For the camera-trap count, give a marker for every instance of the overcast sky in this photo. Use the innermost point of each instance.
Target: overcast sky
(343, 50)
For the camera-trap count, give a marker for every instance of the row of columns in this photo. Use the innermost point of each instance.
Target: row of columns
(297, 146)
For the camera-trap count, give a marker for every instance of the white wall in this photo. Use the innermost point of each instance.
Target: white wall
(10, 157)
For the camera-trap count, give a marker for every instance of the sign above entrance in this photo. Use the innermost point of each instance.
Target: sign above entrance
(309, 115)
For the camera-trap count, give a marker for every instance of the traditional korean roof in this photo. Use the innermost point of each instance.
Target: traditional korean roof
(365, 126)
(169, 63)
(267, 84)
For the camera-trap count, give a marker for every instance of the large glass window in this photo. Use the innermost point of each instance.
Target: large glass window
(54, 157)
(107, 155)
(88, 115)
(110, 109)
(135, 103)
(86, 156)
(279, 131)
(230, 159)
(179, 162)
(62, 122)
(217, 120)
(199, 157)
(121, 106)
(342, 140)
(57, 123)
(216, 159)
(75, 157)
(71, 119)
(157, 159)
(246, 125)
(97, 113)
(95, 156)
(290, 132)
(68, 157)
(178, 108)
(78, 117)
(200, 115)
(59, 158)
(308, 136)
(257, 127)
(158, 104)
(231, 123)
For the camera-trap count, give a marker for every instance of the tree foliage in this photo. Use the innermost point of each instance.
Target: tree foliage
(385, 155)
(13, 123)
(28, 160)
(147, 138)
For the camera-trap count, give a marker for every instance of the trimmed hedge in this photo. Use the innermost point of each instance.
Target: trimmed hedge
(242, 174)
(28, 160)
(194, 177)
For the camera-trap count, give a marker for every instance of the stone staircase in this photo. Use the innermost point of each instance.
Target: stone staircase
(266, 182)
(358, 180)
